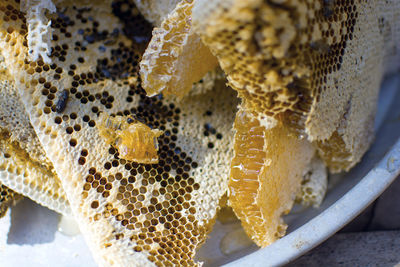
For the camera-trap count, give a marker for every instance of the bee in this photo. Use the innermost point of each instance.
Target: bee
(62, 101)
(134, 140)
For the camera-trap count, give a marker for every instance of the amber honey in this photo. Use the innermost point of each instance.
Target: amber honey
(265, 176)
(134, 140)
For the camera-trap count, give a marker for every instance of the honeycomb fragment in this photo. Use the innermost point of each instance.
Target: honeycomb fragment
(255, 43)
(175, 57)
(131, 214)
(134, 140)
(24, 166)
(39, 31)
(314, 65)
(7, 198)
(30, 178)
(266, 175)
(15, 121)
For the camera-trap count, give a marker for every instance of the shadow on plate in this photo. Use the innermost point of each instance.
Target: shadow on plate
(32, 224)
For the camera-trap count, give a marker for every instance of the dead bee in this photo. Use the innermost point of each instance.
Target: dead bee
(328, 7)
(134, 140)
(320, 46)
(62, 101)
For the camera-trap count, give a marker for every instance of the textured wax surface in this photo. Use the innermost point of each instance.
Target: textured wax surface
(146, 214)
(39, 32)
(315, 65)
(175, 57)
(266, 173)
(24, 166)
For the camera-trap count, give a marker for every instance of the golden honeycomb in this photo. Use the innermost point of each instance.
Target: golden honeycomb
(7, 198)
(147, 214)
(175, 57)
(263, 185)
(314, 65)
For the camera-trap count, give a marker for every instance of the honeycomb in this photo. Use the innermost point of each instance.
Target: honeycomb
(39, 33)
(314, 65)
(24, 166)
(14, 120)
(131, 214)
(22, 174)
(7, 198)
(175, 57)
(262, 184)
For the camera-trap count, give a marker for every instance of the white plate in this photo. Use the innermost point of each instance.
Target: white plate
(29, 236)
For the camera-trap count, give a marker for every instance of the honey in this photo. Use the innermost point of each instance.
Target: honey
(175, 57)
(134, 140)
(265, 177)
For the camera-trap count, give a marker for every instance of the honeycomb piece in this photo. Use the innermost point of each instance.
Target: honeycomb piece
(30, 178)
(39, 31)
(352, 111)
(175, 57)
(7, 198)
(14, 120)
(314, 65)
(255, 43)
(266, 175)
(313, 184)
(135, 141)
(131, 214)
(24, 166)
(155, 11)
